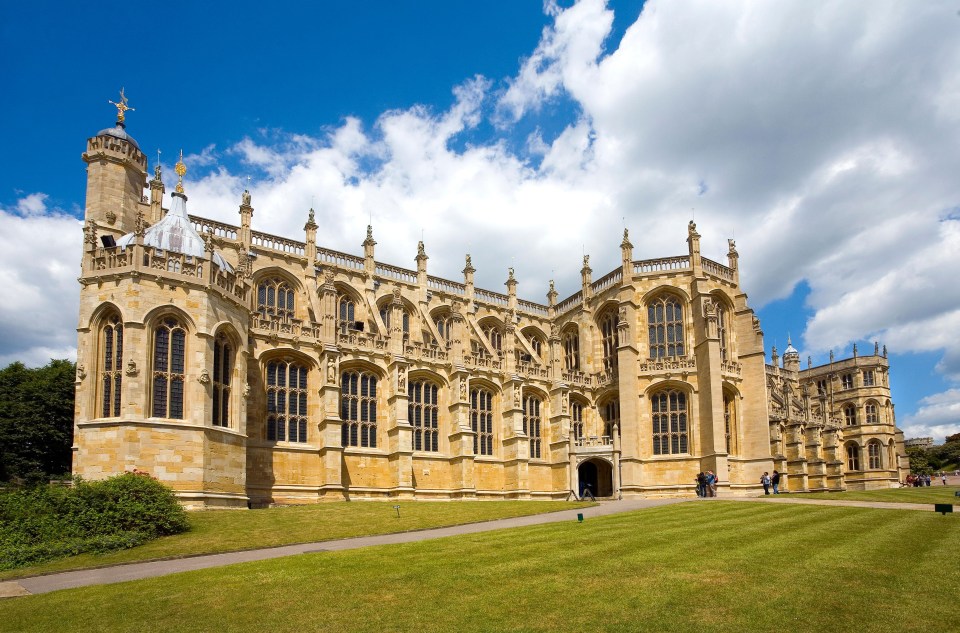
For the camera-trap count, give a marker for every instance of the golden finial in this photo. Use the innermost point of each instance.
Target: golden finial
(181, 169)
(121, 107)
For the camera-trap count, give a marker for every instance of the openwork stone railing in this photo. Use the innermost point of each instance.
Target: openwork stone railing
(494, 298)
(482, 360)
(444, 285)
(531, 308)
(281, 325)
(717, 270)
(532, 370)
(570, 302)
(660, 365)
(663, 264)
(425, 351)
(578, 378)
(219, 229)
(336, 258)
(610, 279)
(394, 272)
(593, 441)
(364, 340)
(276, 243)
(730, 367)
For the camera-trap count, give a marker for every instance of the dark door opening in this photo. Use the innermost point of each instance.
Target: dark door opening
(597, 477)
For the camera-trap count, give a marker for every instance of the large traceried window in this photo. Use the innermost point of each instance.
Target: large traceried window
(222, 373)
(853, 456)
(385, 312)
(444, 322)
(576, 419)
(286, 401)
(571, 351)
(871, 413)
(610, 340)
(665, 323)
(481, 421)
(358, 409)
(494, 336)
(423, 414)
(346, 313)
(669, 410)
(275, 298)
(111, 366)
(169, 352)
(850, 415)
(532, 424)
(610, 413)
(874, 451)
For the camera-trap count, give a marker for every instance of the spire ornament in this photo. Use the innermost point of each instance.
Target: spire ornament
(122, 107)
(181, 169)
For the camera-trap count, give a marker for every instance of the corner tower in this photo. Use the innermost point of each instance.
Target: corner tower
(116, 176)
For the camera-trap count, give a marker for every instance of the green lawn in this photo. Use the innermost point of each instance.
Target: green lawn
(720, 566)
(230, 530)
(934, 494)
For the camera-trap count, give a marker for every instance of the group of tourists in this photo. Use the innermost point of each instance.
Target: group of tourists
(919, 481)
(767, 481)
(707, 484)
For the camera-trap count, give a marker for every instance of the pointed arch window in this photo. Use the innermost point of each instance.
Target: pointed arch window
(423, 414)
(111, 366)
(571, 351)
(665, 323)
(481, 421)
(358, 409)
(222, 374)
(286, 401)
(494, 336)
(385, 313)
(853, 456)
(850, 415)
(874, 451)
(730, 423)
(610, 412)
(169, 352)
(346, 313)
(871, 413)
(576, 419)
(275, 298)
(532, 423)
(669, 410)
(610, 340)
(443, 321)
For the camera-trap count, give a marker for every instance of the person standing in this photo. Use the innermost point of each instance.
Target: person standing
(943, 478)
(765, 480)
(775, 480)
(711, 484)
(701, 484)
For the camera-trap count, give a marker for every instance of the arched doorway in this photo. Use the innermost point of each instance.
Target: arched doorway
(597, 476)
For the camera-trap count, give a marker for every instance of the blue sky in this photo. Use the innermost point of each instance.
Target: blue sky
(823, 137)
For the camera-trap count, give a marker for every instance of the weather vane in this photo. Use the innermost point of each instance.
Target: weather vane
(121, 107)
(181, 169)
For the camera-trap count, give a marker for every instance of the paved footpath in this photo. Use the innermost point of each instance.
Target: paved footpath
(136, 571)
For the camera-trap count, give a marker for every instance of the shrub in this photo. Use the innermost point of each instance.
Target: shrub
(48, 522)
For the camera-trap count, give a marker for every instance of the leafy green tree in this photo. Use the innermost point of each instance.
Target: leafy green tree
(919, 464)
(36, 420)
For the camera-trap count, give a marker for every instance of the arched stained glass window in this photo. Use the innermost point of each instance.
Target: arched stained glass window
(111, 366)
(571, 351)
(669, 409)
(358, 409)
(532, 423)
(481, 421)
(423, 414)
(169, 352)
(275, 298)
(665, 323)
(222, 374)
(286, 401)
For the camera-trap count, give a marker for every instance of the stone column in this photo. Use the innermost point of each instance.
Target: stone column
(399, 430)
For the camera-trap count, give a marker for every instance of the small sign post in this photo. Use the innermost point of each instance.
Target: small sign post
(580, 517)
(943, 508)
(397, 508)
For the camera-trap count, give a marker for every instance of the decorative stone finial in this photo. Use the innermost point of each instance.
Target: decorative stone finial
(421, 251)
(876, 348)
(122, 107)
(469, 267)
(731, 247)
(245, 198)
(854, 350)
(369, 241)
(311, 221)
(181, 169)
(156, 172)
(510, 274)
(626, 240)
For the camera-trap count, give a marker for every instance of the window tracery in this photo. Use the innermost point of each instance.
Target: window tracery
(111, 363)
(222, 373)
(358, 409)
(669, 410)
(571, 351)
(423, 414)
(532, 424)
(610, 339)
(275, 298)
(665, 326)
(169, 350)
(481, 421)
(286, 401)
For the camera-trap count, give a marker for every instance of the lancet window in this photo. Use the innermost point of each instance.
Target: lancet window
(850, 415)
(222, 374)
(385, 313)
(481, 421)
(722, 332)
(286, 401)
(532, 424)
(665, 326)
(869, 379)
(846, 381)
(423, 414)
(669, 410)
(853, 456)
(874, 450)
(494, 336)
(610, 412)
(871, 413)
(346, 314)
(358, 409)
(576, 419)
(111, 364)
(169, 351)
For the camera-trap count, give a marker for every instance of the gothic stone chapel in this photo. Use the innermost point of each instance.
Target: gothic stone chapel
(244, 369)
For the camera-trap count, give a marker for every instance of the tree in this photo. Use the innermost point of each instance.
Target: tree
(36, 420)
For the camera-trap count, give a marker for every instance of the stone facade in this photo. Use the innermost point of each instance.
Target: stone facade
(261, 370)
